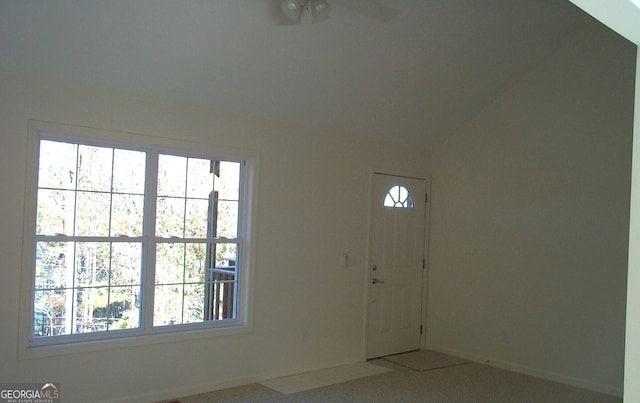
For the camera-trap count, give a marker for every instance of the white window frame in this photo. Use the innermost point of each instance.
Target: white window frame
(34, 347)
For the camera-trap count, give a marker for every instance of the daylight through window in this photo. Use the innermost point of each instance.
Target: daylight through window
(133, 239)
(398, 196)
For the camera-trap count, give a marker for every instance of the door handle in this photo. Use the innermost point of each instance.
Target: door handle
(376, 281)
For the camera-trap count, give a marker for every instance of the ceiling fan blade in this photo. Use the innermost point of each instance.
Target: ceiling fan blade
(369, 8)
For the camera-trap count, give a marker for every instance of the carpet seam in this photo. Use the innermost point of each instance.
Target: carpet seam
(424, 370)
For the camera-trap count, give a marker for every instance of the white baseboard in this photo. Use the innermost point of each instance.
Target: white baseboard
(607, 389)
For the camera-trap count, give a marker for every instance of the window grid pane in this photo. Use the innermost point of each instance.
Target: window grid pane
(90, 239)
(195, 282)
(83, 286)
(197, 199)
(398, 197)
(79, 287)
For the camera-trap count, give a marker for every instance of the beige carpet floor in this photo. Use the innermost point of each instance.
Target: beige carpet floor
(317, 379)
(424, 360)
(468, 382)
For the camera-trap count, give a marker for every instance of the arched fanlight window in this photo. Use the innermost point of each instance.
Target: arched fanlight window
(398, 196)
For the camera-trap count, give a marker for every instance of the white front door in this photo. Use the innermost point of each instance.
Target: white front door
(396, 254)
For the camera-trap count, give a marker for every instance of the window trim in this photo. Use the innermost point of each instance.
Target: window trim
(29, 347)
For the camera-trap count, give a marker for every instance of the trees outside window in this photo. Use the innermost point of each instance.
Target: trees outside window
(133, 239)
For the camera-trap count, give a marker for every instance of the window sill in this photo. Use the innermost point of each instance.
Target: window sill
(34, 350)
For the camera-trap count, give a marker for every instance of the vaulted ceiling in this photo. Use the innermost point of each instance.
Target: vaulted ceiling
(413, 79)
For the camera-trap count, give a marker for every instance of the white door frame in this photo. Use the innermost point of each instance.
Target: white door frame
(427, 231)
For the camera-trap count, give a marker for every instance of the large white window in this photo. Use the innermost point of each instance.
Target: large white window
(132, 240)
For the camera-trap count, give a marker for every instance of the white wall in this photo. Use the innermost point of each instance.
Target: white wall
(313, 195)
(529, 230)
(623, 17)
(632, 340)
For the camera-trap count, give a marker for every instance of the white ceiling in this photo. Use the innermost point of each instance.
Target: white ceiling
(413, 79)
(623, 16)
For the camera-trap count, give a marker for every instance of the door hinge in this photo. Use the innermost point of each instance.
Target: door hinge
(426, 197)
(424, 263)
(420, 329)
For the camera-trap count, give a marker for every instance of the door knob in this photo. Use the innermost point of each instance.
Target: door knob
(376, 281)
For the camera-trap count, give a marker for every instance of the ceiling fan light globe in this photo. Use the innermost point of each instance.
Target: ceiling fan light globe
(291, 9)
(320, 6)
(319, 10)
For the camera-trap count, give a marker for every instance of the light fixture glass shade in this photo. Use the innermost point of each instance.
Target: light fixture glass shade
(319, 10)
(292, 9)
